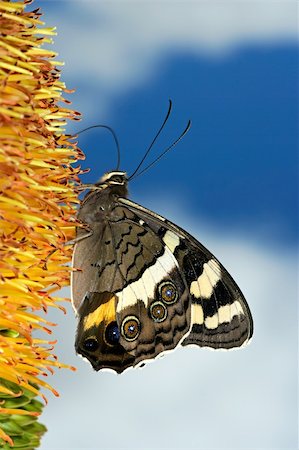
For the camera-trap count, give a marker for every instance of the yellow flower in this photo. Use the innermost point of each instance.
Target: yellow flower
(37, 205)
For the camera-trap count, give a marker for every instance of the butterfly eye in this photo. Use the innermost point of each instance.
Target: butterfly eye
(112, 334)
(158, 311)
(90, 344)
(117, 179)
(168, 292)
(130, 328)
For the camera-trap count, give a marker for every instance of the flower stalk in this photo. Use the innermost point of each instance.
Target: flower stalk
(37, 215)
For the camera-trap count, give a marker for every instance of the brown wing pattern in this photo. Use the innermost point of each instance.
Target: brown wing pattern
(146, 265)
(130, 268)
(220, 316)
(145, 286)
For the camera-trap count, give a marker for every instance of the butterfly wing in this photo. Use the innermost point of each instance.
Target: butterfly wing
(220, 316)
(149, 324)
(123, 268)
(94, 264)
(145, 286)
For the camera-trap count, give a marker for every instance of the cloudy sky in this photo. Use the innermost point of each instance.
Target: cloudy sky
(232, 68)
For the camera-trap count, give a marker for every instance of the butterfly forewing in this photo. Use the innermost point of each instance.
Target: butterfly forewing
(220, 316)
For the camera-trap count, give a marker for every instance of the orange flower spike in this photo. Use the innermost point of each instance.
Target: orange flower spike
(37, 209)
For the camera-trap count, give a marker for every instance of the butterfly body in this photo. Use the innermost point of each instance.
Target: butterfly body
(144, 286)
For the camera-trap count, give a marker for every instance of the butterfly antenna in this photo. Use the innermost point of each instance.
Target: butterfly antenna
(114, 136)
(154, 140)
(167, 149)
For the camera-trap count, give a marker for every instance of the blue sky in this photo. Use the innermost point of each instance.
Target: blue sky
(232, 68)
(237, 167)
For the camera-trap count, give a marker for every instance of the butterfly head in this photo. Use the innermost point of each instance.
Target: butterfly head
(115, 178)
(115, 181)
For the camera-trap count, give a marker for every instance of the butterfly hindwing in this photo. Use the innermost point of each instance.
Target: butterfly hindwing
(129, 282)
(95, 264)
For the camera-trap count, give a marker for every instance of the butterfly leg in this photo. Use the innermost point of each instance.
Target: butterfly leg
(71, 242)
(78, 238)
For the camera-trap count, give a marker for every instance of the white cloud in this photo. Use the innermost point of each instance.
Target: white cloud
(116, 44)
(193, 398)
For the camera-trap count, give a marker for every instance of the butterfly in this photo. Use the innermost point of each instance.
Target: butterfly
(143, 286)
